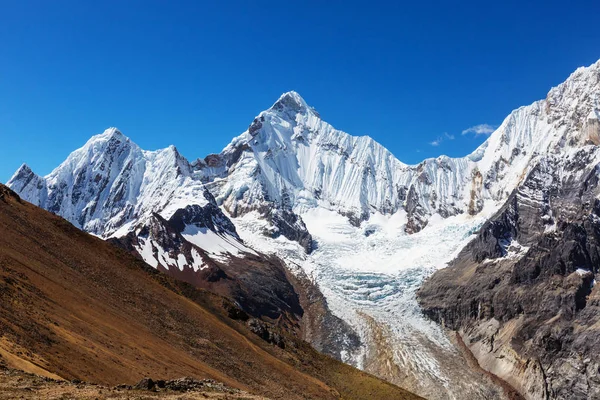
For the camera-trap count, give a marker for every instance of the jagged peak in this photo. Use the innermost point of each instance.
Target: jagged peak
(169, 151)
(24, 169)
(23, 172)
(581, 81)
(112, 131)
(111, 135)
(108, 134)
(595, 67)
(23, 177)
(292, 101)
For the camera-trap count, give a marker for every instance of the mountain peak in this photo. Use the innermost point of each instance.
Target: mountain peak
(23, 173)
(24, 169)
(111, 132)
(291, 101)
(111, 137)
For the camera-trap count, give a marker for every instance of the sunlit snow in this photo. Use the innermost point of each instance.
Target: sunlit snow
(217, 246)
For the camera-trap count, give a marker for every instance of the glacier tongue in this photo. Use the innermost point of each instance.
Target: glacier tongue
(369, 275)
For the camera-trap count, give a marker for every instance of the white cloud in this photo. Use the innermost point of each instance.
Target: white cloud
(481, 129)
(440, 139)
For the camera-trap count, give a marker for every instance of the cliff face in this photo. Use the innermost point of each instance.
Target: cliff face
(523, 293)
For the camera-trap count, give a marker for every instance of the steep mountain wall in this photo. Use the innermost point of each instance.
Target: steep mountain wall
(523, 293)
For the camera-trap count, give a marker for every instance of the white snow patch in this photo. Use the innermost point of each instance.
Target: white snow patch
(146, 250)
(198, 264)
(512, 249)
(217, 246)
(181, 261)
(582, 271)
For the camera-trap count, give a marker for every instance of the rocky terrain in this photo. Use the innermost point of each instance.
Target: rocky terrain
(523, 293)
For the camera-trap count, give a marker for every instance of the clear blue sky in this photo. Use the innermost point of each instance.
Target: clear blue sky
(194, 73)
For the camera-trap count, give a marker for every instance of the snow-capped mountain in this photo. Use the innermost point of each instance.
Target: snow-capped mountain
(290, 159)
(110, 187)
(111, 182)
(342, 209)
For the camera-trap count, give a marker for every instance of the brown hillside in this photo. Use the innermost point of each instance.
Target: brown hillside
(74, 306)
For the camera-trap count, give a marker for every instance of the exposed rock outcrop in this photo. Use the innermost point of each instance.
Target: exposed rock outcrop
(523, 294)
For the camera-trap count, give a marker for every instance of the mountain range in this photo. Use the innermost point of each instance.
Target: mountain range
(294, 203)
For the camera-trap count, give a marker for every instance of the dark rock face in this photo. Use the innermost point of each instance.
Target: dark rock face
(324, 331)
(185, 384)
(210, 217)
(256, 125)
(258, 284)
(291, 226)
(417, 216)
(145, 384)
(530, 274)
(6, 193)
(266, 332)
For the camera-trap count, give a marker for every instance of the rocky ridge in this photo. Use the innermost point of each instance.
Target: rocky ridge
(523, 293)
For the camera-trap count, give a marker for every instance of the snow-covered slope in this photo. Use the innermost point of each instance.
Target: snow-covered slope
(291, 159)
(112, 188)
(404, 221)
(111, 182)
(365, 226)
